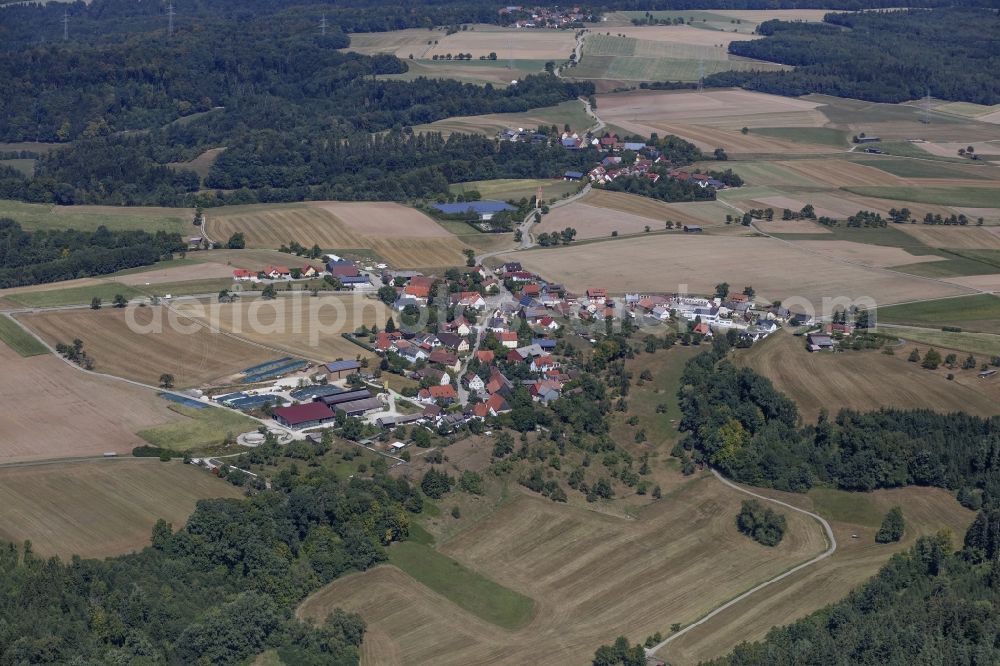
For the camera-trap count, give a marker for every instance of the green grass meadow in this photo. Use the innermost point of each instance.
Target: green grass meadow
(202, 429)
(20, 340)
(978, 313)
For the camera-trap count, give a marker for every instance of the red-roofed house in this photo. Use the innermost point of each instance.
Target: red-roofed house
(308, 271)
(276, 272)
(435, 393)
(445, 358)
(244, 275)
(597, 295)
(497, 404)
(485, 356)
(542, 363)
(701, 328)
(531, 290)
(468, 299)
(508, 339)
(481, 410)
(419, 287)
(305, 415)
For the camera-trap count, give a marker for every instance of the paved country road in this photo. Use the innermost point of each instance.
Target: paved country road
(831, 549)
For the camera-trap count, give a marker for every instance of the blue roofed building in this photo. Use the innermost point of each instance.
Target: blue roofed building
(573, 175)
(634, 146)
(338, 367)
(485, 209)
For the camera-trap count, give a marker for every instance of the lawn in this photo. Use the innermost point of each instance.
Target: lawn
(907, 149)
(88, 218)
(466, 588)
(74, 295)
(506, 189)
(203, 429)
(975, 197)
(19, 339)
(965, 262)
(822, 136)
(25, 166)
(980, 313)
(846, 507)
(666, 367)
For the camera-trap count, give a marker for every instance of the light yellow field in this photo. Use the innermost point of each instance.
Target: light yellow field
(599, 213)
(174, 344)
(951, 148)
(779, 226)
(592, 576)
(404, 237)
(479, 40)
(681, 34)
(857, 380)
(968, 238)
(53, 411)
(981, 282)
(303, 325)
(926, 511)
(880, 256)
(99, 508)
(571, 113)
(776, 269)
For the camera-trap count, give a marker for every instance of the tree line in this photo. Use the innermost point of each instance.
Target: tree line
(55, 255)
(735, 420)
(879, 56)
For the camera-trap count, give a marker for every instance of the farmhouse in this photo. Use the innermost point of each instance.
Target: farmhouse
(277, 272)
(244, 275)
(468, 299)
(819, 342)
(484, 210)
(359, 407)
(508, 339)
(692, 229)
(306, 415)
(444, 393)
(346, 396)
(573, 175)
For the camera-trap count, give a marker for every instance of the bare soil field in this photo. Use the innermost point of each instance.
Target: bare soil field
(951, 148)
(761, 15)
(926, 510)
(592, 576)
(599, 213)
(99, 508)
(190, 352)
(966, 238)
(880, 256)
(778, 226)
(989, 215)
(983, 282)
(53, 411)
(857, 380)
(404, 237)
(303, 325)
(776, 269)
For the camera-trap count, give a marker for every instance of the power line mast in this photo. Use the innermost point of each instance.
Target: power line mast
(322, 25)
(170, 20)
(701, 75)
(65, 22)
(925, 117)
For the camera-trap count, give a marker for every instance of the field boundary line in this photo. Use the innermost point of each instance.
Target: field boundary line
(831, 549)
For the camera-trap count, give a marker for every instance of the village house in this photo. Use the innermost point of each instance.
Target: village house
(244, 275)
(508, 339)
(453, 341)
(485, 356)
(445, 358)
(419, 288)
(342, 268)
(278, 272)
(446, 394)
(468, 299)
(819, 342)
(474, 382)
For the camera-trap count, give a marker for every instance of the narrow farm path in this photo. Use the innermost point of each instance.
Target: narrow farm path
(831, 549)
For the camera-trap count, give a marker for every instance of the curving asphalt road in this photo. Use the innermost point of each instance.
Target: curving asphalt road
(831, 540)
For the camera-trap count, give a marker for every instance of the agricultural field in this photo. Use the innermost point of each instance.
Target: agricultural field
(714, 119)
(926, 511)
(861, 380)
(816, 136)
(499, 73)
(599, 213)
(572, 113)
(20, 340)
(202, 164)
(776, 269)
(25, 166)
(506, 189)
(979, 313)
(403, 237)
(985, 196)
(638, 56)
(143, 343)
(99, 508)
(55, 294)
(88, 218)
(986, 344)
(478, 40)
(592, 576)
(864, 254)
(721, 19)
(83, 414)
(302, 325)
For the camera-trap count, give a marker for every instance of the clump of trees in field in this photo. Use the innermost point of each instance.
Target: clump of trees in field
(761, 523)
(892, 527)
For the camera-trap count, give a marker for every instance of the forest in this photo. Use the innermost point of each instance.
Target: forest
(952, 53)
(220, 590)
(665, 189)
(51, 256)
(735, 420)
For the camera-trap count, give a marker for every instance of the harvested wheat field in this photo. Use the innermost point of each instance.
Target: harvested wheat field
(571, 113)
(926, 511)
(951, 148)
(864, 380)
(403, 237)
(989, 282)
(303, 325)
(99, 508)
(599, 213)
(83, 414)
(779, 226)
(713, 119)
(964, 238)
(204, 271)
(865, 254)
(592, 577)
(141, 343)
(776, 269)
(478, 40)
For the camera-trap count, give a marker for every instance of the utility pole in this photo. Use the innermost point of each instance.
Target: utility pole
(701, 75)
(926, 115)
(65, 22)
(322, 25)
(170, 20)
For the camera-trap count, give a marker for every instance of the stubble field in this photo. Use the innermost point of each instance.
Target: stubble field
(478, 40)
(857, 380)
(53, 411)
(592, 577)
(190, 352)
(99, 508)
(403, 237)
